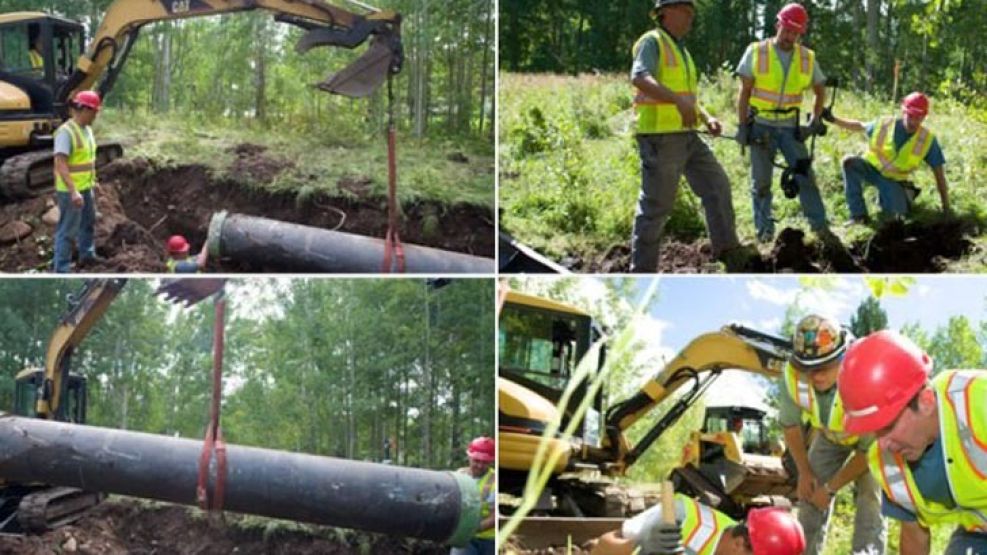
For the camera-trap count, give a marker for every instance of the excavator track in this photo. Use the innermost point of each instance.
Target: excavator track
(33, 173)
(50, 508)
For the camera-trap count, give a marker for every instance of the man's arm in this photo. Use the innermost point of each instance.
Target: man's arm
(853, 469)
(940, 174)
(914, 539)
(848, 124)
(744, 99)
(820, 91)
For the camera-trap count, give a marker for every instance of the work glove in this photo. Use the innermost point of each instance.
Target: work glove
(662, 539)
(744, 134)
(827, 115)
(816, 127)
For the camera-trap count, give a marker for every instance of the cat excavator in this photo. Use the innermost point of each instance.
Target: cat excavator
(44, 63)
(542, 341)
(55, 392)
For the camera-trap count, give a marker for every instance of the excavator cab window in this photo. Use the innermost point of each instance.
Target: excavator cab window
(74, 398)
(15, 47)
(542, 345)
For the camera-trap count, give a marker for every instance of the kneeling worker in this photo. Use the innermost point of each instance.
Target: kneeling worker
(701, 530)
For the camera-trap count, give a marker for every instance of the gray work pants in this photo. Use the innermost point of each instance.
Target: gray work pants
(966, 543)
(869, 532)
(664, 159)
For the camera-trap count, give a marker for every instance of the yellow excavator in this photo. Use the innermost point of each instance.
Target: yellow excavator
(55, 392)
(540, 343)
(44, 62)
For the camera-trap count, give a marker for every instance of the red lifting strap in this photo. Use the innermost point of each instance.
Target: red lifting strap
(214, 433)
(392, 242)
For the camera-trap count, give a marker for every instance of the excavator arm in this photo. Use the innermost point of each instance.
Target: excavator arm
(85, 309)
(325, 25)
(700, 362)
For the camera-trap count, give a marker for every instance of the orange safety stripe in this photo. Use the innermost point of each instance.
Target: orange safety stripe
(643, 99)
(923, 136)
(667, 51)
(74, 168)
(770, 96)
(805, 58)
(762, 58)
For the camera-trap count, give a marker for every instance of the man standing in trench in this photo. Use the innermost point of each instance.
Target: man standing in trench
(667, 114)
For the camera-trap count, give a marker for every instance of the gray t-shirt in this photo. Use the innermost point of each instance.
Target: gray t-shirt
(646, 57)
(746, 69)
(63, 142)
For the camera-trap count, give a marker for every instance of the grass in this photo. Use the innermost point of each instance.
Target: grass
(570, 170)
(425, 171)
(838, 540)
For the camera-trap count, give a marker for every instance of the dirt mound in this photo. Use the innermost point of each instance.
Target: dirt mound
(897, 246)
(127, 526)
(252, 165)
(140, 205)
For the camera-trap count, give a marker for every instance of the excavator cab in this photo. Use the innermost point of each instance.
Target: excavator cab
(29, 384)
(37, 54)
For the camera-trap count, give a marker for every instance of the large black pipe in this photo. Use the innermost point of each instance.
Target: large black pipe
(438, 506)
(293, 247)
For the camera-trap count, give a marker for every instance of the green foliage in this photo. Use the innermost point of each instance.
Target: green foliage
(567, 192)
(870, 317)
(329, 367)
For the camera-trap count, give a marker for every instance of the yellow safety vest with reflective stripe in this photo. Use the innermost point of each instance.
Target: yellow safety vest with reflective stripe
(702, 526)
(804, 396)
(773, 89)
(172, 264)
(677, 73)
(82, 160)
(897, 165)
(37, 60)
(962, 400)
(486, 485)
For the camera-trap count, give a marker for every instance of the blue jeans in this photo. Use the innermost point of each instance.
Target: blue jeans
(766, 141)
(476, 547)
(890, 193)
(966, 543)
(74, 225)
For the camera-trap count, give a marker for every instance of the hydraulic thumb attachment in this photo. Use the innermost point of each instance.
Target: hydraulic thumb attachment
(383, 58)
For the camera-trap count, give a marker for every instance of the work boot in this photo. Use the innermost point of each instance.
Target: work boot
(827, 236)
(737, 259)
(90, 261)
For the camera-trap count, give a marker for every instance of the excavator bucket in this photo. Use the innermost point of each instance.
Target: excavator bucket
(362, 77)
(190, 290)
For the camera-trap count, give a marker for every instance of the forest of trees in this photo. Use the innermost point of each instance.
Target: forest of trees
(935, 44)
(243, 67)
(330, 367)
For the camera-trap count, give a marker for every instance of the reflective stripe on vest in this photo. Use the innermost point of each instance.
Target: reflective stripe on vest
(677, 72)
(804, 396)
(962, 403)
(897, 165)
(702, 526)
(776, 89)
(486, 485)
(82, 159)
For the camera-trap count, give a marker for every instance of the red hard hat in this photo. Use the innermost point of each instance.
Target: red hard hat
(880, 375)
(88, 99)
(794, 17)
(916, 105)
(774, 531)
(177, 245)
(481, 449)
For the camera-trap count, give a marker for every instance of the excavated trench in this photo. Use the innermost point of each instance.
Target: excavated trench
(140, 205)
(122, 525)
(896, 247)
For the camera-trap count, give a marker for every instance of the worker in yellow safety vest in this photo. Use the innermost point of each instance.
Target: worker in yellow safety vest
(774, 74)
(930, 456)
(809, 407)
(665, 82)
(36, 47)
(701, 530)
(897, 147)
(481, 453)
(75, 177)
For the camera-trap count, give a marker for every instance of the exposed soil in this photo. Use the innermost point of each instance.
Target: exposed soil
(140, 205)
(125, 526)
(897, 246)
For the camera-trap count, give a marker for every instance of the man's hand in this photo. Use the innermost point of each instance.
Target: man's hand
(714, 126)
(687, 109)
(806, 485)
(820, 498)
(77, 199)
(744, 134)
